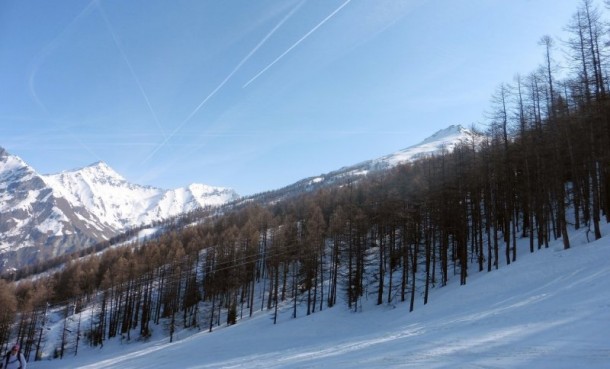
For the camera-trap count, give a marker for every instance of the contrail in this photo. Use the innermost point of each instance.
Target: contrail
(133, 73)
(46, 51)
(297, 43)
(227, 78)
(39, 61)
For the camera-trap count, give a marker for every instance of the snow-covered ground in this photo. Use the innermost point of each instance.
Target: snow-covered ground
(550, 309)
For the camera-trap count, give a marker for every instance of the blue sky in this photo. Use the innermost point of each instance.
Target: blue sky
(252, 94)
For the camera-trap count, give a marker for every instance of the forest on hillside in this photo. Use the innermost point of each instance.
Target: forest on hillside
(541, 169)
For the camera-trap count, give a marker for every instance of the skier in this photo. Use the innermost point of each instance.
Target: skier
(14, 359)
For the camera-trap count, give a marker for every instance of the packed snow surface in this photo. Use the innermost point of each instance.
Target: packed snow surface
(550, 309)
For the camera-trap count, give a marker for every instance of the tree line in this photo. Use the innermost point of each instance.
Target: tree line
(541, 168)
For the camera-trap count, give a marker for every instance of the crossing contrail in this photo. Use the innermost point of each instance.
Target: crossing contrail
(298, 42)
(224, 81)
(40, 59)
(126, 59)
(48, 50)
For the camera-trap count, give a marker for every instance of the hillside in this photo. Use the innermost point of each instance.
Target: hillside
(442, 141)
(548, 310)
(44, 216)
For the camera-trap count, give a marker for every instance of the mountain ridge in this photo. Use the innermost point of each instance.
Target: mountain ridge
(444, 139)
(43, 216)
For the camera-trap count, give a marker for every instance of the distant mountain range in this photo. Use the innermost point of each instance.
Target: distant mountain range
(43, 216)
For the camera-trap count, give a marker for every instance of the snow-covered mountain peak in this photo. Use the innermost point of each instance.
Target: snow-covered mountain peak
(203, 189)
(443, 140)
(448, 134)
(122, 204)
(98, 173)
(101, 169)
(10, 164)
(42, 215)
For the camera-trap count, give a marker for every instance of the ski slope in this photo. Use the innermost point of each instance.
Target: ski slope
(550, 309)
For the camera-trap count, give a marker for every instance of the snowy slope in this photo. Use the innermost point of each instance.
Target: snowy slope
(550, 309)
(443, 140)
